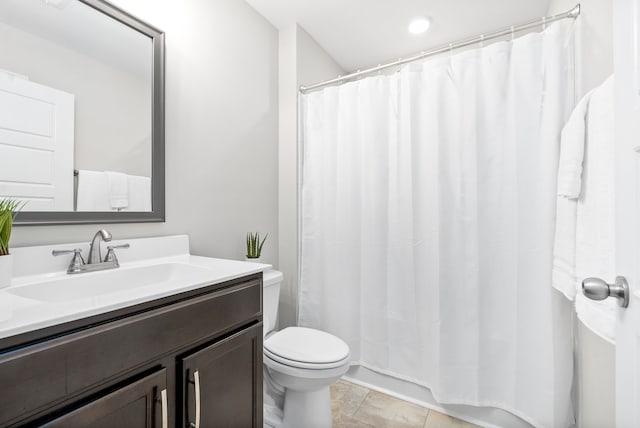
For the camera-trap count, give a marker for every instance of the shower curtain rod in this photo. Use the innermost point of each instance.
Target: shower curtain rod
(573, 13)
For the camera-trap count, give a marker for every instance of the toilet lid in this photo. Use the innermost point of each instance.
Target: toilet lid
(306, 345)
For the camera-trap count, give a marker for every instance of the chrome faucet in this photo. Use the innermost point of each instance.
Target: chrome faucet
(95, 261)
(95, 255)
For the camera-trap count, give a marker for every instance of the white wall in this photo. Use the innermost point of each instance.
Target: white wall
(288, 175)
(595, 40)
(302, 62)
(112, 121)
(221, 130)
(314, 63)
(595, 358)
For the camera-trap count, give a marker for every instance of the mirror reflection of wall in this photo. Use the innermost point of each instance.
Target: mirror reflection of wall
(105, 69)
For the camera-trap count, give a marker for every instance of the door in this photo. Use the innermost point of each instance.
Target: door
(223, 383)
(627, 175)
(141, 404)
(36, 144)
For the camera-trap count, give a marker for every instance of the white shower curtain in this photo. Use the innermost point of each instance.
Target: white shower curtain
(428, 201)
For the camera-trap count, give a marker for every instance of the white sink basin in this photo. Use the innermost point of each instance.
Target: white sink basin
(42, 295)
(97, 284)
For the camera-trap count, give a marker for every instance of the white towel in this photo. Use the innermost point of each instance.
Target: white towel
(595, 214)
(572, 143)
(118, 190)
(584, 240)
(563, 275)
(139, 193)
(93, 191)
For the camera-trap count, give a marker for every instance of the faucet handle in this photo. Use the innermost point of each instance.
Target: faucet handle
(76, 262)
(62, 252)
(113, 247)
(111, 254)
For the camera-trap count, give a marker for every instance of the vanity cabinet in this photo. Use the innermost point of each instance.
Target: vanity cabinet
(218, 384)
(111, 370)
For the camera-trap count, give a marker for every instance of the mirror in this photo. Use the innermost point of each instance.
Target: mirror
(81, 112)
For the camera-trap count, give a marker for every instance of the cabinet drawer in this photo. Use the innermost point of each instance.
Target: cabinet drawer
(46, 374)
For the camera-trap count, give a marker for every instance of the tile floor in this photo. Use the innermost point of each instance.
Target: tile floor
(354, 406)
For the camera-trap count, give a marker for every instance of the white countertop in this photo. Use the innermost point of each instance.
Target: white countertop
(34, 265)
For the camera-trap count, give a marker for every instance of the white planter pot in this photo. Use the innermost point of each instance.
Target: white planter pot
(6, 270)
(258, 260)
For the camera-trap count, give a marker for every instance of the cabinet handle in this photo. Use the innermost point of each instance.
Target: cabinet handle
(196, 377)
(165, 416)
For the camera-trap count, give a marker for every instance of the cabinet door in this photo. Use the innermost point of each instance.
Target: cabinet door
(223, 383)
(141, 404)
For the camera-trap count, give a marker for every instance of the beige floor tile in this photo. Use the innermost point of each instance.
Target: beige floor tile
(342, 421)
(440, 420)
(354, 406)
(383, 411)
(346, 397)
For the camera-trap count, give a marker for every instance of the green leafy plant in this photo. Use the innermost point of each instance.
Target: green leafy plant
(254, 245)
(8, 211)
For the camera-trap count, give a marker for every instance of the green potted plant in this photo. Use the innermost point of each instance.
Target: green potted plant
(8, 210)
(254, 246)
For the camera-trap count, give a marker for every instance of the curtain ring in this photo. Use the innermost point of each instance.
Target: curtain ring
(544, 23)
(513, 30)
(481, 40)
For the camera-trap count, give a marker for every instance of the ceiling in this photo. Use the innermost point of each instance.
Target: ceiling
(363, 33)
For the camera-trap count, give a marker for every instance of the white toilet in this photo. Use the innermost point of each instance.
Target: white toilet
(299, 365)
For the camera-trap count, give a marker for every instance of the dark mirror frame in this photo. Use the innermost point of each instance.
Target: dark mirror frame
(157, 214)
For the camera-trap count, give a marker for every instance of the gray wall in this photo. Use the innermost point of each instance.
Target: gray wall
(314, 63)
(221, 130)
(595, 358)
(302, 62)
(594, 31)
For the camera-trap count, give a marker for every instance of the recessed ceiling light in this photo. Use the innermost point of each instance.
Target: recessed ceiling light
(419, 25)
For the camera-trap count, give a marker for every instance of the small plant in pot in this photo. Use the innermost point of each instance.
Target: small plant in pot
(8, 210)
(254, 246)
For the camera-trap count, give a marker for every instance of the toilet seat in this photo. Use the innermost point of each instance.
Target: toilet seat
(306, 348)
(304, 365)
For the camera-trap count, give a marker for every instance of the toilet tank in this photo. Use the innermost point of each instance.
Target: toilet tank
(271, 281)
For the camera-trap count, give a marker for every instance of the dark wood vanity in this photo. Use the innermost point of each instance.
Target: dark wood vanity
(191, 359)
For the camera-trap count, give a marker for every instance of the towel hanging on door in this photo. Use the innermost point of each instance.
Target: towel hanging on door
(584, 240)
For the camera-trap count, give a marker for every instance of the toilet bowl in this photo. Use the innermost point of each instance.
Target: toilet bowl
(299, 366)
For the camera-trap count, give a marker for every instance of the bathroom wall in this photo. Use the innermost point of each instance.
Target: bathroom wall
(594, 30)
(98, 144)
(302, 62)
(595, 358)
(314, 63)
(221, 130)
